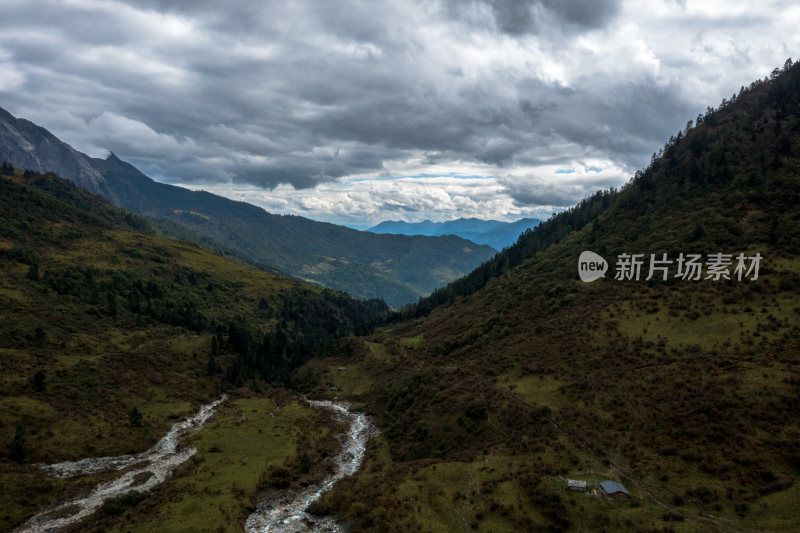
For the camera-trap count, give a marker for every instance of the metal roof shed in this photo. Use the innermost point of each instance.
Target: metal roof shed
(614, 490)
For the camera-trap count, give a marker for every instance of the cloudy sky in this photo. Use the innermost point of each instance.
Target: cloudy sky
(359, 111)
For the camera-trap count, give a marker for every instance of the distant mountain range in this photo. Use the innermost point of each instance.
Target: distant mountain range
(397, 268)
(494, 233)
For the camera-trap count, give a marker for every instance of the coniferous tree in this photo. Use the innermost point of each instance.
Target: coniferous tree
(135, 417)
(211, 366)
(38, 380)
(33, 271)
(19, 446)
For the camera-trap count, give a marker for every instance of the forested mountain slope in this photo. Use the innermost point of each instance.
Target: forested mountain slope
(101, 318)
(397, 268)
(684, 390)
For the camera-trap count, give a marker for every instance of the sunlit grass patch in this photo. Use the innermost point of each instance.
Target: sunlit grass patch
(537, 389)
(215, 490)
(349, 378)
(775, 512)
(411, 341)
(379, 351)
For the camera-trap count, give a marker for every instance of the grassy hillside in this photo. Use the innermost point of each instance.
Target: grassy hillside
(684, 391)
(101, 318)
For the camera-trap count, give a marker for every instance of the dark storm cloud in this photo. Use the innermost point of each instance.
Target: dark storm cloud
(516, 17)
(302, 93)
(304, 170)
(535, 191)
(513, 16)
(542, 194)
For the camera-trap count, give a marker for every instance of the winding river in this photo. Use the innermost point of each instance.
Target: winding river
(287, 514)
(284, 514)
(149, 469)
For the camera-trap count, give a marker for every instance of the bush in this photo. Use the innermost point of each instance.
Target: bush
(19, 446)
(305, 463)
(357, 509)
(118, 505)
(135, 417)
(38, 380)
(275, 477)
(477, 410)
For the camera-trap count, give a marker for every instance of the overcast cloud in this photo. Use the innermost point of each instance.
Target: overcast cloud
(356, 112)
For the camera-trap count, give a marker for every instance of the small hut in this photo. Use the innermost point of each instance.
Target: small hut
(574, 484)
(614, 491)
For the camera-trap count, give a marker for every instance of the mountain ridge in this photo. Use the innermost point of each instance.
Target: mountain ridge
(29, 146)
(495, 233)
(399, 269)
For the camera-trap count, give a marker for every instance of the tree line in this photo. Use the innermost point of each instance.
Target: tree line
(708, 150)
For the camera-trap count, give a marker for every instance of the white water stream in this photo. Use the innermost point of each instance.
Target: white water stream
(151, 468)
(287, 514)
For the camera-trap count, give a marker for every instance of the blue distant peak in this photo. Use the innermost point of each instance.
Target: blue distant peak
(495, 233)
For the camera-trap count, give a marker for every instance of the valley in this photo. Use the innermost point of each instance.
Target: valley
(505, 398)
(111, 333)
(396, 268)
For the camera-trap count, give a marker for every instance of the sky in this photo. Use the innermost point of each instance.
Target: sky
(356, 111)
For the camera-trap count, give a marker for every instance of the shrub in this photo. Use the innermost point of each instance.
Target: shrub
(135, 417)
(19, 446)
